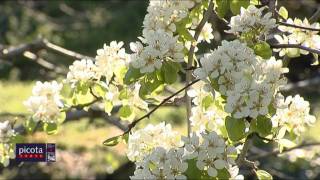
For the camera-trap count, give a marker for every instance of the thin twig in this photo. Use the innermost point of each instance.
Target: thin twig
(316, 51)
(285, 150)
(297, 26)
(134, 123)
(190, 60)
(315, 16)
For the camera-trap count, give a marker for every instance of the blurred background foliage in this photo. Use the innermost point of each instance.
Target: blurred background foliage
(84, 26)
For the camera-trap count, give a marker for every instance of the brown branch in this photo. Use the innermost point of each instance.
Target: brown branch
(296, 26)
(241, 160)
(135, 122)
(36, 45)
(276, 152)
(190, 60)
(315, 16)
(276, 46)
(45, 64)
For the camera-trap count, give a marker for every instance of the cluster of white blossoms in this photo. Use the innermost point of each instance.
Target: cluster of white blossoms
(81, 71)
(109, 61)
(45, 101)
(158, 42)
(210, 152)
(252, 19)
(248, 82)
(293, 113)
(143, 141)
(164, 14)
(159, 46)
(6, 150)
(6, 132)
(162, 164)
(304, 37)
(206, 115)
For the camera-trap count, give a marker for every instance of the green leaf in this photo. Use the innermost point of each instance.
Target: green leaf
(254, 2)
(263, 49)
(283, 12)
(126, 112)
(17, 139)
(50, 128)
(235, 128)
(207, 101)
(264, 125)
(193, 172)
(108, 106)
(263, 175)
(152, 83)
(222, 7)
(223, 174)
(113, 141)
(29, 125)
(235, 5)
(132, 75)
(170, 72)
(124, 94)
(99, 90)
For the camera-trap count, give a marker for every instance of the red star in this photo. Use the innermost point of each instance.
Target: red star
(21, 156)
(40, 156)
(30, 156)
(36, 155)
(26, 156)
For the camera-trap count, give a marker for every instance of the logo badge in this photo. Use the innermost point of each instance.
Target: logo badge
(36, 152)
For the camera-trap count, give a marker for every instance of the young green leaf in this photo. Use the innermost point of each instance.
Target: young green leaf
(222, 7)
(235, 5)
(264, 125)
(263, 175)
(263, 49)
(113, 141)
(132, 75)
(283, 12)
(235, 128)
(50, 128)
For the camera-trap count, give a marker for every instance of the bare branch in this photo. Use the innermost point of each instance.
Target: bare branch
(276, 152)
(296, 26)
(242, 161)
(134, 123)
(315, 16)
(190, 60)
(316, 51)
(36, 45)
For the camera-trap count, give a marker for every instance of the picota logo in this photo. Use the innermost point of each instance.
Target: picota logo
(35, 152)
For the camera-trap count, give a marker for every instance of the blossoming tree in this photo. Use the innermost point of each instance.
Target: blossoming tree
(232, 93)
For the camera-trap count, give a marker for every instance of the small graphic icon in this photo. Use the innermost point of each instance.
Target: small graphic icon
(36, 152)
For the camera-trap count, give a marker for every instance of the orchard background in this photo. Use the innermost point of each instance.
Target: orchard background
(44, 38)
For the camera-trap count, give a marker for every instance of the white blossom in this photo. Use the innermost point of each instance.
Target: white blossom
(6, 132)
(110, 59)
(252, 19)
(248, 82)
(143, 141)
(81, 71)
(295, 116)
(45, 101)
(304, 37)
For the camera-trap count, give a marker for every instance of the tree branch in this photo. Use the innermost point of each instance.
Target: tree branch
(190, 60)
(36, 45)
(296, 26)
(242, 161)
(315, 16)
(134, 123)
(276, 46)
(276, 152)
